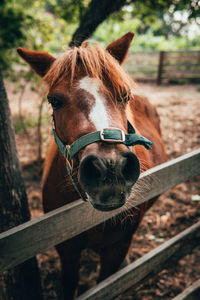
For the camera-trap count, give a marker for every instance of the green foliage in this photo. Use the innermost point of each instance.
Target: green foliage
(158, 25)
(112, 29)
(48, 25)
(23, 123)
(149, 41)
(11, 29)
(71, 11)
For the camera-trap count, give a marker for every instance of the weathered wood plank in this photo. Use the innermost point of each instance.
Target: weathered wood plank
(141, 68)
(151, 52)
(181, 64)
(138, 63)
(191, 293)
(145, 72)
(180, 76)
(183, 53)
(149, 264)
(179, 72)
(145, 58)
(143, 77)
(182, 58)
(26, 240)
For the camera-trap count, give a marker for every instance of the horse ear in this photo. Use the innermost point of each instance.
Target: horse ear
(39, 61)
(119, 48)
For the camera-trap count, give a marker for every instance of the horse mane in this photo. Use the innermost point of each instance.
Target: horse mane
(97, 63)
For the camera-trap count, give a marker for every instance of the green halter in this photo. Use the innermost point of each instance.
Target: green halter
(107, 135)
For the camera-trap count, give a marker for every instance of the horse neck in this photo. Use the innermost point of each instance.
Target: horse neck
(142, 154)
(53, 160)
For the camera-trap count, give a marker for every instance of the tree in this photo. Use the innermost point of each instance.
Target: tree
(97, 12)
(22, 282)
(147, 10)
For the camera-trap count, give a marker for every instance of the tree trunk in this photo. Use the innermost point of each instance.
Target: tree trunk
(97, 12)
(22, 282)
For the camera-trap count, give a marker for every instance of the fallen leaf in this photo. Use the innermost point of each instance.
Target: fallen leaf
(195, 197)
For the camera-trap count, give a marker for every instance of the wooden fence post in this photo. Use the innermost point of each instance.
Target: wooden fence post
(160, 67)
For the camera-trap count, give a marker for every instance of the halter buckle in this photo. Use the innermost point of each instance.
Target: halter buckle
(110, 140)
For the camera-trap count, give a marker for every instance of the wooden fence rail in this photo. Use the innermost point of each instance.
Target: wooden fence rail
(164, 66)
(191, 293)
(25, 241)
(148, 265)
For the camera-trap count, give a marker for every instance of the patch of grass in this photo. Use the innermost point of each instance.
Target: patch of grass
(24, 122)
(27, 120)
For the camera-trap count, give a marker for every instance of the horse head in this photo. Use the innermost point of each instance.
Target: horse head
(88, 92)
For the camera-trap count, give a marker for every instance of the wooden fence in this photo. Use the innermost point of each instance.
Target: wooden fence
(164, 66)
(26, 240)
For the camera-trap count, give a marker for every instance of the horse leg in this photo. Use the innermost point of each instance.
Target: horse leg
(112, 256)
(69, 253)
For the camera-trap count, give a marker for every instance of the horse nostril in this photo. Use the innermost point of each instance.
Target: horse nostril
(91, 170)
(130, 167)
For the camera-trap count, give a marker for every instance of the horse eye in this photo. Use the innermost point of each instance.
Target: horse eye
(125, 98)
(55, 103)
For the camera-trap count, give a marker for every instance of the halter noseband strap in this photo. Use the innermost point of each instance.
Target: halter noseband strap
(107, 135)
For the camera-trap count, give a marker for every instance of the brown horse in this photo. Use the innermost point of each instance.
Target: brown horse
(95, 112)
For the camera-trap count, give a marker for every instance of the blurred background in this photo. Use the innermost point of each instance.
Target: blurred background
(164, 59)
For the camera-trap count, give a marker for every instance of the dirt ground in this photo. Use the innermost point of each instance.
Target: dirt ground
(179, 110)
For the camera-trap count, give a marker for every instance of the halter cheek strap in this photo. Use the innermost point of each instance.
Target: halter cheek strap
(107, 135)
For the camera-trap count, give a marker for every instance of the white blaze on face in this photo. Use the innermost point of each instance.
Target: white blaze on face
(98, 115)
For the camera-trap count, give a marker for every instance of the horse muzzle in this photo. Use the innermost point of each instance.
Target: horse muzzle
(96, 172)
(108, 181)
